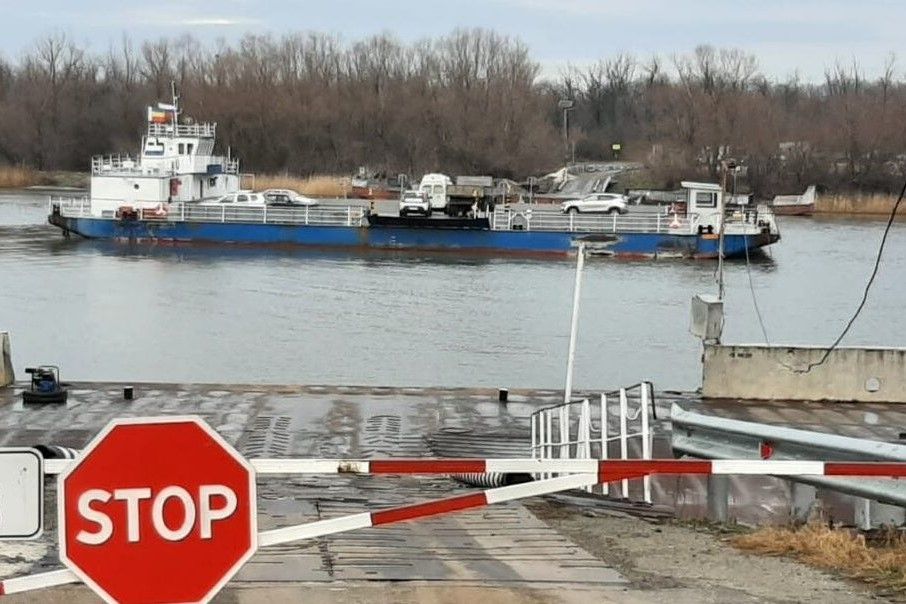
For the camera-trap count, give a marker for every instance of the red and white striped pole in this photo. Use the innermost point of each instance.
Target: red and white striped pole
(584, 472)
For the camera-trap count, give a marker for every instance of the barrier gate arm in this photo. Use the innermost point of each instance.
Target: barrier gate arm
(588, 473)
(341, 524)
(608, 468)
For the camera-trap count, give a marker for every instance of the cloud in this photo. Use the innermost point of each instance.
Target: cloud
(219, 21)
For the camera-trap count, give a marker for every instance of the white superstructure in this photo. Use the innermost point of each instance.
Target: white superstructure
(176, 164)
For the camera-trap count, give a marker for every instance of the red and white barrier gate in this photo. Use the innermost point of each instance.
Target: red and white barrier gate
(582, 473)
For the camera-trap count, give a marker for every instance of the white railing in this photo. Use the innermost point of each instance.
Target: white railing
(188, 212)
(199, 130)
(74, 207)
(307, 215)
(582, 430)
(507, 219)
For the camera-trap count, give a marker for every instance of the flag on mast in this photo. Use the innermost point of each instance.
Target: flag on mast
(159, 116)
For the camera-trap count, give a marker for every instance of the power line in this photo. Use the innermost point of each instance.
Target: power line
(871, 280)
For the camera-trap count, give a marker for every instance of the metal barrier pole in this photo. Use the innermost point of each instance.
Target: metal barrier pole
(646, 439)
(586, 440)
(550, 437)
(574, 325)
(624, 445)
(605, 489)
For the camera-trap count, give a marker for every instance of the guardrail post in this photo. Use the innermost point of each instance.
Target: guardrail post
(571, 221)
(862, 513)
(804, 497)
(222, 213)
(264, 215)
(614, 223)
(718, 497)
(306, 214)
(348, 215)
(870, 514)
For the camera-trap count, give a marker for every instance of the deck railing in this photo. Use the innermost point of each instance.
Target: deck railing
(200, 130)
(189, 212)
(507, 219)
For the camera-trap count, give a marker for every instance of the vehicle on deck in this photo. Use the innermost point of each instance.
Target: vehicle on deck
(461, 197)
(598, 203)
(415, 202)
(287, 198)
(239, 198)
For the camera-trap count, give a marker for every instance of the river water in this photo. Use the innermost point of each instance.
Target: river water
(106, 311)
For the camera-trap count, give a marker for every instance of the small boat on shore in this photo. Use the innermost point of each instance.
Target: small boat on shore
(795, 205)
(167, 193)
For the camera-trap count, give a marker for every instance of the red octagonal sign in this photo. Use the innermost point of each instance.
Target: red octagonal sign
(157, 510)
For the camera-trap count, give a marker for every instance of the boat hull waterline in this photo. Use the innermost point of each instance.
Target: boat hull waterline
(516, 242)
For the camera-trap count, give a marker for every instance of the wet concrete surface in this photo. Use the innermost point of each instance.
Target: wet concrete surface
(502, 544)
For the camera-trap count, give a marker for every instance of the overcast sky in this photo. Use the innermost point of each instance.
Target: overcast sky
(803, 36)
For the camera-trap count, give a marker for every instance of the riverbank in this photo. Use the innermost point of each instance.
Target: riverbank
(19, 177)
(843, 204)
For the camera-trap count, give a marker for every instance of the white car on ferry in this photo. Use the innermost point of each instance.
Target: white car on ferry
(244, 199)
(597, 203)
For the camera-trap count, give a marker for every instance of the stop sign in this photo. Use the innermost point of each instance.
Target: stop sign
(157, 510)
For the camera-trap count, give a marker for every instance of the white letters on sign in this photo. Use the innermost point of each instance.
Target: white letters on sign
(204, 511)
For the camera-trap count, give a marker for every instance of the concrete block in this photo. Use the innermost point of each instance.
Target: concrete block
(7, 377)
(759, 372)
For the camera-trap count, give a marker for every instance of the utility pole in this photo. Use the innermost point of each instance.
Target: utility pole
(566, 105)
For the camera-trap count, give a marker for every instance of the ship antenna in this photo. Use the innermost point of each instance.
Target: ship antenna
(175, 100)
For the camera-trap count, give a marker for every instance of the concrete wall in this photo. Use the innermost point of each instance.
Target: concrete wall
(6, 361)
(778, 373)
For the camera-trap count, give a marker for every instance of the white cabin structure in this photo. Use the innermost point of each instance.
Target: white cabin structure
(176, 164)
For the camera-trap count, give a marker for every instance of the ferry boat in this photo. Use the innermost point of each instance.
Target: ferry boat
(165, 195)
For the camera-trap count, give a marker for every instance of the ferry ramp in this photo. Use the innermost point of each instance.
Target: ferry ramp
(502, 545)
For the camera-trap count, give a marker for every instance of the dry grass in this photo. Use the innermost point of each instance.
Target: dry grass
(16, 177)
(313, 186)
(855, 203)
(881, 561)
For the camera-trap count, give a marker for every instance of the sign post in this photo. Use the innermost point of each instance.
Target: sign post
(21, 493)
(157, 509)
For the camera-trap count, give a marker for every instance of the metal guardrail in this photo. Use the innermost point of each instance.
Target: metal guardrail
(711, 437)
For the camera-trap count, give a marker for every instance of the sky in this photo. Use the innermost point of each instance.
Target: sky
(801, 37)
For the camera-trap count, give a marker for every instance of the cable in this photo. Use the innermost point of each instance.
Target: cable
(764, 331)
(745, 244)
(871, 280)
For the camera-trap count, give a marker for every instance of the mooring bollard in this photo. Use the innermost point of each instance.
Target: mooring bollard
(502, 395)
(7, 377)
(128, 393)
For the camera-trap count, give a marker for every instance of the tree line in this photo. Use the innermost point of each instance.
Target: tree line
(471, 102)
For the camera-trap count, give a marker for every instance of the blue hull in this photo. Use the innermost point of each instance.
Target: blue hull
(641, 245)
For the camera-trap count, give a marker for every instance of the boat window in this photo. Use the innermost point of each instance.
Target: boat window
(189, 148)
(437, 189)
(242, 198)
(182, 149)
(705, 199)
